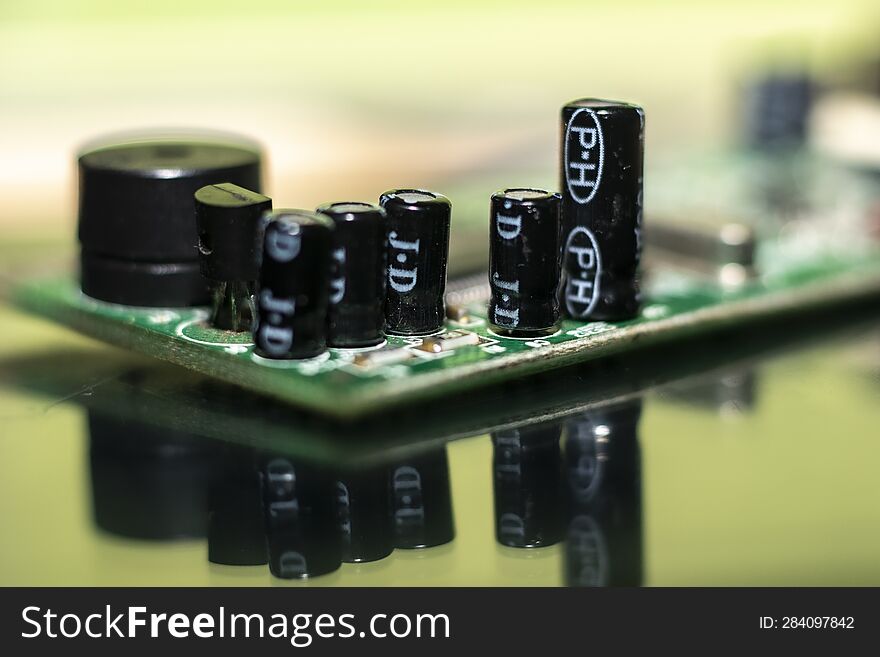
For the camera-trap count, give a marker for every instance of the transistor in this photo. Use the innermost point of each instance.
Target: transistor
(356, 315)
(136, 223)
(418, 247)
(524, 262)
(227, 219)
(601, 163)
(294, 285)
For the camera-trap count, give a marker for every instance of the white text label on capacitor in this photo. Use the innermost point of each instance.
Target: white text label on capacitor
(401, 280)
(584, 155)
(337, 283)
(583, 268)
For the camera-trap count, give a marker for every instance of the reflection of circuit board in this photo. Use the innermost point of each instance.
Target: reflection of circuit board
(351, 383)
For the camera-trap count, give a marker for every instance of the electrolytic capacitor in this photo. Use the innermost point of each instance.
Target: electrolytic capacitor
(421, 500)
(294, 285)
(363, 507)
(227, 220)
(418, 247)
(356, 315)
(526, 464)
(136, 223)
(601, 166)
(301, 533)
(524, 262)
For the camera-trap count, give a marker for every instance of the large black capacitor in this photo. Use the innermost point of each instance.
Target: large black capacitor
(524, 262)
(136, 224)
(356, 316)
(418, 247)
(601, 165)
(294, 285)
(228, 219)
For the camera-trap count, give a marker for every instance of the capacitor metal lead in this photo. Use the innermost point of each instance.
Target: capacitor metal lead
(294, 285)
(418, 247)
(227, 220)
(601, 163)
(524, 262)
(356, 316)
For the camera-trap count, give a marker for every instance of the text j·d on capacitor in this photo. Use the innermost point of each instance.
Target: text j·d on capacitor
(294, 283)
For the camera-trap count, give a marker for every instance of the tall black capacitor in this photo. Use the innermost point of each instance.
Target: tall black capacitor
(524, 262)
(601, 164)
(294, 285)
(418, 247)
(356, 316)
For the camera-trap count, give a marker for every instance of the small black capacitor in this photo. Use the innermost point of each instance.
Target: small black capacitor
(524, 262)
(294, 285)
(227, 220)
(418, 247)
(421, 501)
(601, 164)
(356, 316)
(527, 464)
(136, 223)
(301, 533)
(363, 507)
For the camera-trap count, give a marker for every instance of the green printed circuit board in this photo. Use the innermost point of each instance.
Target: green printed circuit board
(822, 262)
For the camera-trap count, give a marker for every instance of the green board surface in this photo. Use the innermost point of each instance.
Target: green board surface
(354, 383)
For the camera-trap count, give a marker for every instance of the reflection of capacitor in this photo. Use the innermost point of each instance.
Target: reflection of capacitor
(356, 316)
(422, 501)
(524, 262)
(227, 218)
(147, 482)
(363, 506)
(528, 496)
(294, 285)
(418, 247)
(601, 164)
(299, 511)
(136, 222)
(236, 536)
(603, 475)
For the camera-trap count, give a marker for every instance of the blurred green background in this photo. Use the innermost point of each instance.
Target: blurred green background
(352, 98)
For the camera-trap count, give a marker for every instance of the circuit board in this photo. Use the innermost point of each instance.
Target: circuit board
(813, 249)
(467, 354)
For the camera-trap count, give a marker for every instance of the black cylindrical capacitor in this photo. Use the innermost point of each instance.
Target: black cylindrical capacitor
(524, 262)
(418, 247)
(298, 503)
(136, 223)
(604, 538)
(363, 507)
(601, 165)
(228, 220)
(294, 285)
(356, 316)
(527, 468)
(421, 501)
